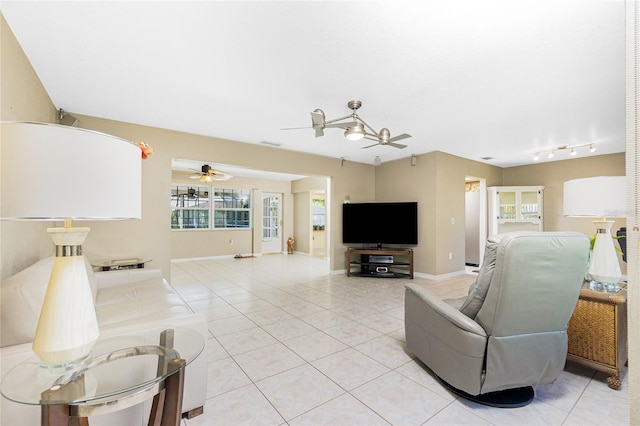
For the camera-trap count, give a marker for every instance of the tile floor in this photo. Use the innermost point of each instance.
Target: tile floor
(292, 344)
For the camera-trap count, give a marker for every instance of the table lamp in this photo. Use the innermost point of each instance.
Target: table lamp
(59, 173)
(602, 197)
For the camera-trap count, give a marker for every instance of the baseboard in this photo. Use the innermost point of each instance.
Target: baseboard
(226, 256)
(439, 277)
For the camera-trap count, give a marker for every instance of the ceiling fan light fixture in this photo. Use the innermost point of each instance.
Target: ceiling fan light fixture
(355, 133)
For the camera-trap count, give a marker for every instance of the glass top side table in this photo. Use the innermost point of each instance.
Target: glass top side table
(122, 371)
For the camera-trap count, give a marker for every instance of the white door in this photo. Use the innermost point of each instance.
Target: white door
(271, 222)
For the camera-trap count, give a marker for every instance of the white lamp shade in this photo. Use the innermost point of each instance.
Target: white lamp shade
(54, 172)
(602, 197)
(595, 196)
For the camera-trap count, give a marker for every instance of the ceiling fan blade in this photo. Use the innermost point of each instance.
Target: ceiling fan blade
(396, 145)
(222, 176)
(194, 177)
(399, 137)
(370, 146)
(342, 125)
(295, 128)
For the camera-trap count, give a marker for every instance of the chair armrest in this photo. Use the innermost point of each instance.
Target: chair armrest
(445, 310)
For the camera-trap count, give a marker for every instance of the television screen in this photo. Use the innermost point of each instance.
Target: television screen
(380, 223)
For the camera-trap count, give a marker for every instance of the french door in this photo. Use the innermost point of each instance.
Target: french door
(271, 222)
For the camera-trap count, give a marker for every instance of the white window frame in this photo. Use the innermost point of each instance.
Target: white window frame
(184, 198)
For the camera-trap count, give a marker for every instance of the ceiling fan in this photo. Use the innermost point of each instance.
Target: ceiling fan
(207, 174)
(355, 129)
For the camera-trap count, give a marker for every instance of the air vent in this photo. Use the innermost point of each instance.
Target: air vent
(270, 143)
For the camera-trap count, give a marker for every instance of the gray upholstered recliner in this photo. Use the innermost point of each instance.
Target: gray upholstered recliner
(509, 333)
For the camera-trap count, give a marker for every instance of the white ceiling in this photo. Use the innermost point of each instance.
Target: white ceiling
(474, 78)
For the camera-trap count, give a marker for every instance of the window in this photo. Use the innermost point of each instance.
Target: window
(232, 208)
(191, 207)
(318, 205)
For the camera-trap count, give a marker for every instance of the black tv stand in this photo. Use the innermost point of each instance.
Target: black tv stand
(380, 262)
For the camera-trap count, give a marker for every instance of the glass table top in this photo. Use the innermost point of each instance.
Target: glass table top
(118, 366)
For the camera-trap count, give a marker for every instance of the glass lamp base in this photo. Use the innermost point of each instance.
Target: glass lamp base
(606, 287)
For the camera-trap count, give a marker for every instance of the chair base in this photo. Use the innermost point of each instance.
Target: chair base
(508, 398)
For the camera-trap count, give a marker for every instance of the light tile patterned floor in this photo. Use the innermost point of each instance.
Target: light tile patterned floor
(293, 344)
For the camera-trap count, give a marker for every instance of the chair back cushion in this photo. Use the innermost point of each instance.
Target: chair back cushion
(535, 284)
(533, 291)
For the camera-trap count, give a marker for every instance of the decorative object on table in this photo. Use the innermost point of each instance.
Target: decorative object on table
(602, 197)
(118, 264)
(72, 174)
(622, 241)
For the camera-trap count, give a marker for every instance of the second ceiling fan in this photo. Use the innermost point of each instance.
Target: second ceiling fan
(207, 174)
(355, 128)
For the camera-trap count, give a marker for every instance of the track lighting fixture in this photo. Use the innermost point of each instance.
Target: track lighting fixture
(572, 150)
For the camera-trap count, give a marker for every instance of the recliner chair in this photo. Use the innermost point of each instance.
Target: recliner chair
(509, 333)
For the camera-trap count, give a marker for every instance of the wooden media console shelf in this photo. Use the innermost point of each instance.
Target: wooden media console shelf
(381, 263)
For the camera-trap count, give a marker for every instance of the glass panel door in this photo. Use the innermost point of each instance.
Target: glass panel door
(271, 221)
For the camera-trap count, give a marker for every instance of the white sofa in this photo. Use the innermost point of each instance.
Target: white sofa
(126, 301)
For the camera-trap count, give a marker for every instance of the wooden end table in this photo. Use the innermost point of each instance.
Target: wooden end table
(598, 331)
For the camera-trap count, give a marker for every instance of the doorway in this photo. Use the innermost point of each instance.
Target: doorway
(475, 220)
(319, 225)
(271, 223)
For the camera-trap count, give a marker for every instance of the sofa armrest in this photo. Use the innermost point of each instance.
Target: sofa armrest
(126, 276)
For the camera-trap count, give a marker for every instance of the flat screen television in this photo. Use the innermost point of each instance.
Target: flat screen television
(380, 223)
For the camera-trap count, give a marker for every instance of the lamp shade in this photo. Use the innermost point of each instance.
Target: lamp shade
(54, 172)
(595, 196)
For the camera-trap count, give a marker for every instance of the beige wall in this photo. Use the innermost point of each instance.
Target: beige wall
(302, 218)
(22, 98)
(303, 190)
(151, 237)
(436, 182)
(189, 243)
